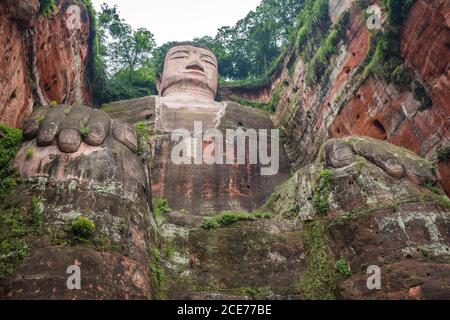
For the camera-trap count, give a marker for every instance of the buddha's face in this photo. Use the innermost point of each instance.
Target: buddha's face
(189, 70)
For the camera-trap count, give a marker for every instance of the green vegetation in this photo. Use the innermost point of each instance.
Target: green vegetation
(84, 131)
(320, 62)
(433, 188)
(82, 228)
(10, 142)
(225, 219)
(269, 107)
(96, 65)
(228, 218)
(30, 153)
(384, 59)
(443, 154)
(322, 191)
(275, 100)
(252, 104)
(312, 23)
(160, 207)
(122, 66)
(253, 47)
(157, 275)
(47, 7)
(263, 215)
(143, 136)
(37, 212)
(18, 222)
(53, 104)
(319, 281)
(18, 218)
(12, 253)
(255, 293)
(343, 268)
(443, 200)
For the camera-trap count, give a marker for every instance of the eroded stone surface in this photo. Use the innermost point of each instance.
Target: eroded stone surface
(43, 60)
(374, 217)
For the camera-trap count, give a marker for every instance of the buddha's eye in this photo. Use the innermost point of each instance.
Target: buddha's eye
(209, 62)
(178, 57)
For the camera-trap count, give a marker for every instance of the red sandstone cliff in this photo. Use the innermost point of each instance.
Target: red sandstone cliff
(342, 106)
(42, 58)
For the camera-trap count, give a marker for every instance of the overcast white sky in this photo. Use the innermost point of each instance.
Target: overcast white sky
(181, 20)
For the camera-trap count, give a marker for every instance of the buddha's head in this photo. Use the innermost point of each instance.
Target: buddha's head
(189, 70)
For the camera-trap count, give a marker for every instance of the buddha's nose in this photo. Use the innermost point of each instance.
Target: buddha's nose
(195, 65)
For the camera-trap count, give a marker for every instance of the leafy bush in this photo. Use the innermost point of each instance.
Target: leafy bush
(143, 136)
(12, 252)
(443, 154)
(82, 228)
(263, 215)
(432, 187)
(10, 141)
(328, 47)
(160, 207)
(84, 131)
(37, 211)
(47, 7)
(386, 61)
(30, 153)
(313, 22)
(343, 268)
(210, 223)
(226, 218)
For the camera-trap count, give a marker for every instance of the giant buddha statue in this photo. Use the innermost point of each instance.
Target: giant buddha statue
(84, 161)
(87, 162)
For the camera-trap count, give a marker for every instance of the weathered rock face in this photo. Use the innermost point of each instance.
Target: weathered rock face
(354, 204)
(44, 59)
(104, 182)
(393, 114)
(343, 105)
(360, 204)
(62, 53)
(15, 92)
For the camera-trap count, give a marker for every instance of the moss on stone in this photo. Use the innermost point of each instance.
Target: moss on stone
(160, 207)
(320, 62)
(322, 191)
(225, 219)
(20, 221)
(143, 136)
(252, 104)
(158, 278)
(433, 188)
(319, 280)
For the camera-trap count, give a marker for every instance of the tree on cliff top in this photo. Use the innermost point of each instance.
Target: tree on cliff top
(128, 57)
(249, 49)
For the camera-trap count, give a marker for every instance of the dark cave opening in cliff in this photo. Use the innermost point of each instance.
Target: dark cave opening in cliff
(380, 129)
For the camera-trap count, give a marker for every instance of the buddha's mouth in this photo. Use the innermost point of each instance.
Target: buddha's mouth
(195, 72)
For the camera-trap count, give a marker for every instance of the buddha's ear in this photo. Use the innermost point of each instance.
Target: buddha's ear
(158, 84)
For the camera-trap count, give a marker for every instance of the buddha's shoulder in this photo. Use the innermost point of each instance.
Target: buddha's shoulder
(132, 110)
(249, 117)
